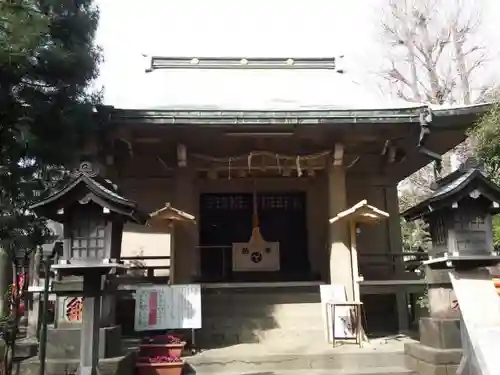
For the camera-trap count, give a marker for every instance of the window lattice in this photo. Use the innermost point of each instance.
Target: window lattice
(274, 202)
(440, 231)
(231, 202)
(87, 240)
(280, 202)
(476, 223)
(469, 222)
(245, 202)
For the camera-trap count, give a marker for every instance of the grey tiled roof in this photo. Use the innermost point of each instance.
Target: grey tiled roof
(102, 188)
(459, 180)
(443, 190)
(108, 188)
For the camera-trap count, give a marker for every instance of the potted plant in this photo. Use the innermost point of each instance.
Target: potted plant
(159, 365)
(165, 345)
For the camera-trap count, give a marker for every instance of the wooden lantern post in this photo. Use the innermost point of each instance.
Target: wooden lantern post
(167, 216)
(363, 213)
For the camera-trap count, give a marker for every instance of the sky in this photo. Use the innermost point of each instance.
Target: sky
(129, 29)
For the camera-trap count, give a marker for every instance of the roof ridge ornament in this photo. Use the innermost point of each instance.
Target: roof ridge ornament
(86, 168)
(309, 63)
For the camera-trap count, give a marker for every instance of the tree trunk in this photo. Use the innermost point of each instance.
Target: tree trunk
(5, 281)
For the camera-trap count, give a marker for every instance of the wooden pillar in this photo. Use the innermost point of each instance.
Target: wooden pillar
(172, 274)
(395, 247)
(354, 261)
(340, 255)
(186, 236)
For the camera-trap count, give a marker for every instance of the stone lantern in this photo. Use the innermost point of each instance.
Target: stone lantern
(93, 214)
(459, 213)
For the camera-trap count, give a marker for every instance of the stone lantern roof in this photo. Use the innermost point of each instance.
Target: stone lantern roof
(469, 180)
(86, 186)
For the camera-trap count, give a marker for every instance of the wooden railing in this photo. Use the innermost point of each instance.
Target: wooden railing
(373, 266)
(221, 261)
(138, 263)
(396, 264)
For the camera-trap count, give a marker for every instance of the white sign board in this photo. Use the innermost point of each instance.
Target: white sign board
(168, 307)
(344, 327)
(248, 257)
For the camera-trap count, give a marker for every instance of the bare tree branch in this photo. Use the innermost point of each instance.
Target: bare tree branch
(425, 37)
(434, 56)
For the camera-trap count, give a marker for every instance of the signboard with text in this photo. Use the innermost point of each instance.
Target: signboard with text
(168, 307)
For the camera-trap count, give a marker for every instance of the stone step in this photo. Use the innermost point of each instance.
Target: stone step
(264, 298)
(123, 365)
(377, 371)
(349, 362)
(276, 337)
(268, 288)
(303, 322)
(246, 307)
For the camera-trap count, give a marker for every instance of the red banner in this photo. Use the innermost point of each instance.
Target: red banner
(153, 308)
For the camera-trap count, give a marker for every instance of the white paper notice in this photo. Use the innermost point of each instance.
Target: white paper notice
(168, 307)
(343, 319)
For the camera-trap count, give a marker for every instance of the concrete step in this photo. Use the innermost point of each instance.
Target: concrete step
(346, 363)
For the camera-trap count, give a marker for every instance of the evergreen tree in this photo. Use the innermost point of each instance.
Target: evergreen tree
(47, 61)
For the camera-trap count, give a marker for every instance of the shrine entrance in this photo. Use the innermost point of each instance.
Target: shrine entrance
(226, 219)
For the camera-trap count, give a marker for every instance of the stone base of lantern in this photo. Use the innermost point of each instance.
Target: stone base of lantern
(64, 343)
(123, 365)
(439, 350)
(26, 348)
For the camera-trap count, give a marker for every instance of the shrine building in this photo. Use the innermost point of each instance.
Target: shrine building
(275, 177)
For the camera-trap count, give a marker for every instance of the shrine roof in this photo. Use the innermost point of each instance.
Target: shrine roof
(103, 192)
(453, 188)
(171, 213)
(361, 212)
(312, 115)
